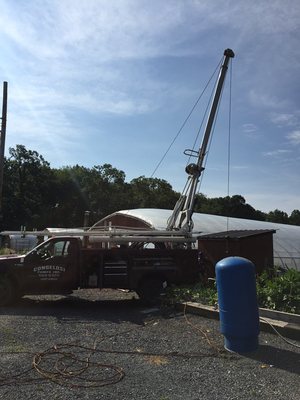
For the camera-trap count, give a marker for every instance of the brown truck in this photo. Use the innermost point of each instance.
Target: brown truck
(61, 264)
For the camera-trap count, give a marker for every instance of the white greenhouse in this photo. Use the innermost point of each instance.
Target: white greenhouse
(286, 239)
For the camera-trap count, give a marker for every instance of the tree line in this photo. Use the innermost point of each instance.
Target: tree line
(38, 196)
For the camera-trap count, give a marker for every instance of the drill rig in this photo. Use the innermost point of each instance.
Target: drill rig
(181, 218)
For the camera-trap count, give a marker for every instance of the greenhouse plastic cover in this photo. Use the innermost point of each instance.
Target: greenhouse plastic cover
(286, 240)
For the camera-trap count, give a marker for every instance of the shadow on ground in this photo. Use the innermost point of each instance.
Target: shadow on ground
(115, 307)
(278, 358)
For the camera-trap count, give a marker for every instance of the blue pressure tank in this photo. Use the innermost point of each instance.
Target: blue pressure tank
(239, 319)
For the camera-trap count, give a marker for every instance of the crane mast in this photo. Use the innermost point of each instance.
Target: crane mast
(181, 218)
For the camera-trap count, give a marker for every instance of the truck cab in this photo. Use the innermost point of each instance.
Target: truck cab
(50, 268)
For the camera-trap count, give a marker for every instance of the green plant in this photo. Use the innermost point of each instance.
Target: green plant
(279, 291)
(276, 291)
(199, 293)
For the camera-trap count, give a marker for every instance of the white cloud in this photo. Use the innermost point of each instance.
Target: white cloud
(135, 29)
(259, 98)
(285, 119)
(294, 137)
(250, 129)
(101, 29)
(276, 153)
(48, 131)
(104, 101)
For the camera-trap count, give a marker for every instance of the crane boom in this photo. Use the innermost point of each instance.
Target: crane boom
(181, 218)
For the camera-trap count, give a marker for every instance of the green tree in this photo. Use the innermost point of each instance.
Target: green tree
(37, 196)
(152, 193)
(234, 206)
(237, 207)
(109, 191)
(27, 189)
(71, 198)
(110, 174)
(294, 218)
(101, 190)
(278, 216)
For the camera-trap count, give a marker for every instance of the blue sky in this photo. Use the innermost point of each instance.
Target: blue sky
(101, 81)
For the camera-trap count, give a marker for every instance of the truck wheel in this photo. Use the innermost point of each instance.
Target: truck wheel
(152, 290)
(6, 291)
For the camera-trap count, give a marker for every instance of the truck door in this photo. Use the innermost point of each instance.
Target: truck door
(53, 266)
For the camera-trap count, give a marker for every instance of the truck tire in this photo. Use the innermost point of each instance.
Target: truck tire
(152, 290)
(7, 295)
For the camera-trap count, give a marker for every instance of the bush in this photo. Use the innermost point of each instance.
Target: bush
(279, 291)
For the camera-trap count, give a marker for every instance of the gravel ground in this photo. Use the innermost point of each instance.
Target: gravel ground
(106, 345)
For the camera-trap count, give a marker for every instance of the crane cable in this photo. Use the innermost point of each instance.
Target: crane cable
(186, 119)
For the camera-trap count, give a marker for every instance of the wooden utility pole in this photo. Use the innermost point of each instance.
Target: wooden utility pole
(2, 139)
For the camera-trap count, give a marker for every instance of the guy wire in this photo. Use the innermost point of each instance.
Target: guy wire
(185, 121)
